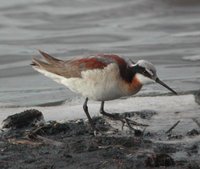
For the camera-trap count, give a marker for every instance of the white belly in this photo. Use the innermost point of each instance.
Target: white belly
(96, 84)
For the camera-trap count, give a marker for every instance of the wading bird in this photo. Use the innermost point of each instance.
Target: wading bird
(101, 77)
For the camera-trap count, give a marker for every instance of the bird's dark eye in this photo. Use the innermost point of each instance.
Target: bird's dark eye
(141, 70)
(147, 74)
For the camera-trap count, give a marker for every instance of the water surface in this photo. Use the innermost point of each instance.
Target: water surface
(165, 32)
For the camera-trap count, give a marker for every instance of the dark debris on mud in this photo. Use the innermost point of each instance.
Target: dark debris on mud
(72, 145)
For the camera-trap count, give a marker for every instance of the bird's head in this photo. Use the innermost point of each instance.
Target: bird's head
(146, 73)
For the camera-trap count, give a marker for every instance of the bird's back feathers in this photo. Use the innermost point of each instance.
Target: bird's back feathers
(74, 67)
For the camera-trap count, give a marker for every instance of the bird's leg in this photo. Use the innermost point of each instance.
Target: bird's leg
(123, 119)
(85, 108)
(114, 116)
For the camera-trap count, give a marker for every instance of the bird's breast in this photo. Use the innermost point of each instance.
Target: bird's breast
(131, 88)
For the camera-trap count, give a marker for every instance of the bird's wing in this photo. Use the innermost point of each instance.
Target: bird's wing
(74, 67)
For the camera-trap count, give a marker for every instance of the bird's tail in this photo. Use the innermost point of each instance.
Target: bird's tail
(50, 65)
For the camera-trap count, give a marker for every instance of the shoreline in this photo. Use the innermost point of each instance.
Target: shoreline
(68, 110)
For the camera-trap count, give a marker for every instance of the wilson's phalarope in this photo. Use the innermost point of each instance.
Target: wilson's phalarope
(102, 77)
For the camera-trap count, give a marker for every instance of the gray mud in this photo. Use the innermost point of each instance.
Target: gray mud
(73, 145)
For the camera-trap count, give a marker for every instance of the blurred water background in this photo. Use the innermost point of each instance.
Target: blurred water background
(165, 32)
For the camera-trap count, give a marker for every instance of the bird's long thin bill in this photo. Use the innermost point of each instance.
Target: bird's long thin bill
(163, 84)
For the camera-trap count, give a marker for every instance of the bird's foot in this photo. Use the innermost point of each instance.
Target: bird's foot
(124, 119)
(130, 123)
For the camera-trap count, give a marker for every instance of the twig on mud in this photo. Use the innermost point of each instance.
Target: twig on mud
(50, 141)
(168, 131)
(45, 140)
(196, 121)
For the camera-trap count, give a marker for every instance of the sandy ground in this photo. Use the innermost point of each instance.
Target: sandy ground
(73, 145)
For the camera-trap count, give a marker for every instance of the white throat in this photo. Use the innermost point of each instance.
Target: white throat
(143, 79)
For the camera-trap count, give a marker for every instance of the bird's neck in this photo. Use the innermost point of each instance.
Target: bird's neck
(127, 74)
(134, 86)
(130, 83)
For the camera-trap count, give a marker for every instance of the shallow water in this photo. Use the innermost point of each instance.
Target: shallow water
(165, 32)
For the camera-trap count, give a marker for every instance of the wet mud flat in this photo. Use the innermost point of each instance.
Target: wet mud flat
(28, 142)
